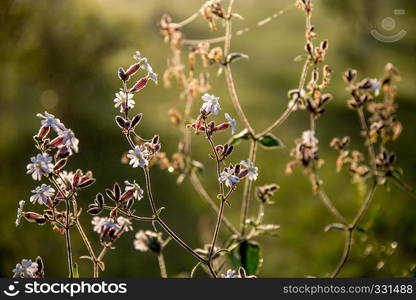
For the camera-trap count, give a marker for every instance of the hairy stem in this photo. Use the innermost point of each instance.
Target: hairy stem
(247, 190)
(162, 265)
(68, 239)
(196, 183)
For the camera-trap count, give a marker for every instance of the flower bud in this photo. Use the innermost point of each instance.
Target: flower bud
(57, 141)
(122, 74)
(43, 132)
(121, 122)
(140, 84)
(60, 164)
(132, 69)
(222, 126)
(136, 120)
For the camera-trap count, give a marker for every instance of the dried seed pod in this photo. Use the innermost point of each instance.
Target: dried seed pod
(136, 120)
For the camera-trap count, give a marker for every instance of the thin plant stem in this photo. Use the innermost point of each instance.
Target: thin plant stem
(403, 185)
(364, 206)
(68, 239)
(345, 253)
(162, 265)
(247, 190)
(329, 205)
(160, 221)
(196, 183)
(188, 20)
(349, 231)
(85, 239)
(283, 117)
(364, 128)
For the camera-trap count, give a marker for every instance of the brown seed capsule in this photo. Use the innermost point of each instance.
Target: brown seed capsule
(60, 164)
(122, 74)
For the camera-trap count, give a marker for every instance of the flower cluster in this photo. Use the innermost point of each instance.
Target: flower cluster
(29, 269)
(111, 228)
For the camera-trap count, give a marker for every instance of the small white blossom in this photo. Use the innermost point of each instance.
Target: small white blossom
(228, 177)
(230, 274)
(25, 269)
(253, 171)
(141, 241)
(295, 102)
(70, 140)
(102, 223)
(124, 223)
(211, 104)
(51, 121)
(138, 192)
(148, 240)
(40, 165)
(232, 122)
(19, 212)
(120, 101)
(42, 194)
(308, 137)
(138, 157)
(375, 86)
(144, 64)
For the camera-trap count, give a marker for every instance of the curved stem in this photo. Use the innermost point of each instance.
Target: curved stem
(283, 117)
(247, 190)
(163, 224)
(345, 253)
(403, 185)
(364, 206)
(196, 183)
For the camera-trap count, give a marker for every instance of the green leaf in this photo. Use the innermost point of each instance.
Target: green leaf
(237, 138)
(270, 141)
(235, 56)
(75, 272)
(334, 226)
(250, 256)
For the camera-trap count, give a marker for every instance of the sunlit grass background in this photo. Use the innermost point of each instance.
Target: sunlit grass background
(62, 56)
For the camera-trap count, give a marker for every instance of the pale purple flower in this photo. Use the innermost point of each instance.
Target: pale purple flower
(253, 171)
(70, 140)
(40, 165)
(138, 192)
(138, 157)
(25, 269)
(42, 194)
(51, 121)
(120, 101)
(228, 177)
(19, 212)
(102, 223)
(144, 64)
(233, 123)
(230, 274)
(375, 86)
(211, 104)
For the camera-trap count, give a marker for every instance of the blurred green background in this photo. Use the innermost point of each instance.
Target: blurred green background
(62, 56)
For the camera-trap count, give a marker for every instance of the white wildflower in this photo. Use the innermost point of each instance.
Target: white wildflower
(253, 171)
(138, 157)
(40, 165)
(233, 123)
(50, 121)
(211, 104)
(138, 191)
(228, 177)
(25, 269)
(120, 101)
(19, 212)
(42, 194)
